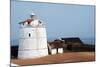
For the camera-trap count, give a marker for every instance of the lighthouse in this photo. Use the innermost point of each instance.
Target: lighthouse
(32, 39)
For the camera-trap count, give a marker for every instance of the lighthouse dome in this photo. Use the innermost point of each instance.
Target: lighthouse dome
(32, 13)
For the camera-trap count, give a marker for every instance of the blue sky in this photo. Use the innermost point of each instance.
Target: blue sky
(62, 20)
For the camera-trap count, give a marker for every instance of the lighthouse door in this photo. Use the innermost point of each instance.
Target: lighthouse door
(29, 34)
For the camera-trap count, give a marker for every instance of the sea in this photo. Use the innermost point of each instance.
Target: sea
(90, 41)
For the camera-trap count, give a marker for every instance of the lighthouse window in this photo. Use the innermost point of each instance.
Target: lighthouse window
(29, 35)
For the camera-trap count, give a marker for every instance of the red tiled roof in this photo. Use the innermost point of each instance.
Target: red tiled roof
(57, 44)
(28, 21)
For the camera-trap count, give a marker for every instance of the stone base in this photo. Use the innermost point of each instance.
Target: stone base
(29, 54)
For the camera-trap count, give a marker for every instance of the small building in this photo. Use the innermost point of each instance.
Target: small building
(56, 46)
(71, 43)
(75, 44)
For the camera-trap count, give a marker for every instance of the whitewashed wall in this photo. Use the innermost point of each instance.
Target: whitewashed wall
(32, 46)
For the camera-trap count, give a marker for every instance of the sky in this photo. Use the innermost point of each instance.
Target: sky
(61, 20)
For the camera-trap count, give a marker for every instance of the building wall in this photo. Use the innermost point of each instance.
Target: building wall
(32, 42)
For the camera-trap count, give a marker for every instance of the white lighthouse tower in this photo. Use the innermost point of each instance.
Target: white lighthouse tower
(32, 39)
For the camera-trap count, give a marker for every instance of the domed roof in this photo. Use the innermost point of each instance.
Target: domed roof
(32, 13)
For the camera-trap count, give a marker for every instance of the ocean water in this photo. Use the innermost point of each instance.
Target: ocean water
(90, 41)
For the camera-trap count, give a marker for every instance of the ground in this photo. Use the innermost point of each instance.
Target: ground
(67, 57)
